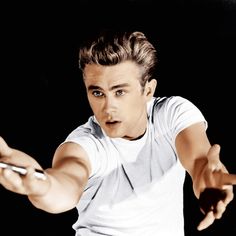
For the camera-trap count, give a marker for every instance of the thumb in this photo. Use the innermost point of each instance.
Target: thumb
(213, 157)
(4, 148)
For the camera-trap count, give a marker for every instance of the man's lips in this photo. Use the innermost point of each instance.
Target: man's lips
(113, 122)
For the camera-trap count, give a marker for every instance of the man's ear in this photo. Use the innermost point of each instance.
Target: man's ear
(150, 88)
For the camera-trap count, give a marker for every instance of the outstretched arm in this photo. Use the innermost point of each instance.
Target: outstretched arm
(212, 184)
(64, 183)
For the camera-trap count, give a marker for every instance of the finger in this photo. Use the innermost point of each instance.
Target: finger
(207, 221)
(11, 181)
(219, 209)
(228, 179)
(30, 181)
(229, 195)
(4, 148)
(213, 156)
(34, 184)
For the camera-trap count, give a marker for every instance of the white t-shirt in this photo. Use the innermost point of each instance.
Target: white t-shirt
(136, 187)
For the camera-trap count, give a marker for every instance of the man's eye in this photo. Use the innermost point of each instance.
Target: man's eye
(97, 93)
(120, 92)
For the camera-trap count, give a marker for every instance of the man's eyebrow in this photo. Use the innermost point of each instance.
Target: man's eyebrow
(95, 87)
(119, 86)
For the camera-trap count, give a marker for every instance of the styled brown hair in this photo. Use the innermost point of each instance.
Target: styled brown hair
(111, 48)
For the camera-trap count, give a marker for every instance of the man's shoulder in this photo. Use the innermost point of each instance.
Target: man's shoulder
(164, 107)
(166, 101)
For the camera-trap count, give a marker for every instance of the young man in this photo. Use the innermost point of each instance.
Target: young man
(124, 169)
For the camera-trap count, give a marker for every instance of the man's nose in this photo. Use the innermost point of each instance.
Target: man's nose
(110, 105)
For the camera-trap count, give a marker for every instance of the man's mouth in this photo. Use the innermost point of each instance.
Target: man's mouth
(112, 122)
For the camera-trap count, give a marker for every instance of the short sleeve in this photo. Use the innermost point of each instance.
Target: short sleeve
(176, 114)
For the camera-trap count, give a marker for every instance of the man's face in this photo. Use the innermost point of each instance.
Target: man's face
(116, 99)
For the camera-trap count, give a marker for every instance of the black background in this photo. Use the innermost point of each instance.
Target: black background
(43, 99)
